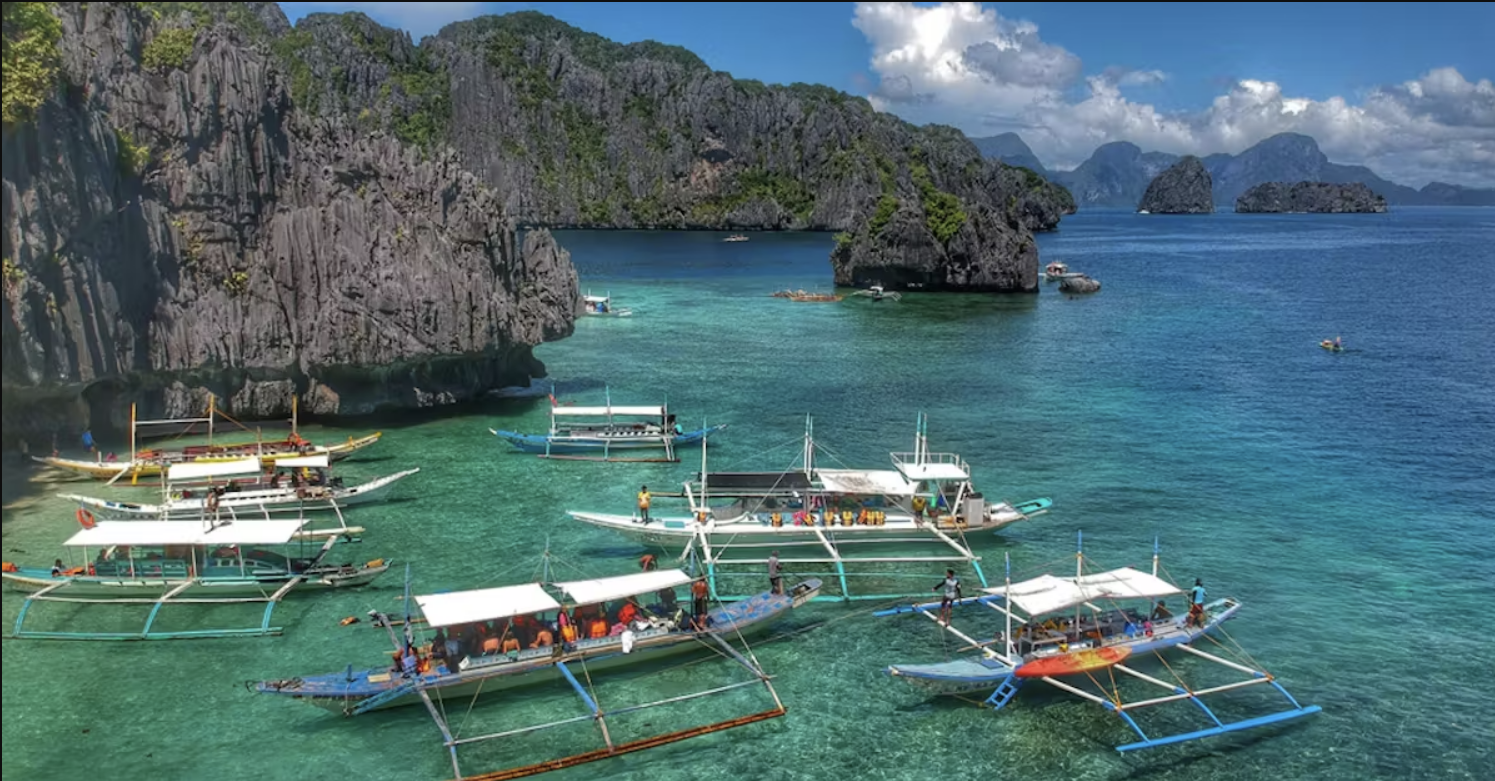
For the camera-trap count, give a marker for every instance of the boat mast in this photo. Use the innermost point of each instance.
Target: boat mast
(211, 415)
(809, 457)
(132, 432)
(703, 467)
(1007, 599)
(1079, 571)
(294, 421)
(1154, 556)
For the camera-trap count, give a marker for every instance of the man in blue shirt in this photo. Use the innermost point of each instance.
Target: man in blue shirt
(88, 440)
(1196, 604)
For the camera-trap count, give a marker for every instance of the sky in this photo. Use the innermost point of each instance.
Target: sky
(1404, 88)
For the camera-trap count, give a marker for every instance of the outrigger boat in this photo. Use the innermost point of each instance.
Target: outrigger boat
(499, 639)
(158, 563)
(149, 463)
(286, 492)
(926, 498)
(1056, 629)
(1332, 345)
(609, 439)
(602, 306)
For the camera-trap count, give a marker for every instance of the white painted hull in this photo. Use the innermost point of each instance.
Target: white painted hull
(252, 503)
(676, 533)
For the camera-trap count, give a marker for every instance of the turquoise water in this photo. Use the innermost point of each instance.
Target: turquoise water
(1345, 498)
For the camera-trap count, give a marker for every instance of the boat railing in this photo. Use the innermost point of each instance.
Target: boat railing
(907, 459)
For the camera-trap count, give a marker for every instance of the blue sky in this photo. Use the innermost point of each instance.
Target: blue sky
(1376, 83)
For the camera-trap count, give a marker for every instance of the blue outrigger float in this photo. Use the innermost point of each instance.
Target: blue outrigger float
(1080, 638)
(598, 434)
(500, 639)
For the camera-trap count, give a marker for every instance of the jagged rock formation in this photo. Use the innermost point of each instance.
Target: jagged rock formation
(1079, 284)
(173, 225)
(1116, 174)
(580, 131)
(1182, 189)
(1012, 150)
(1310, 197)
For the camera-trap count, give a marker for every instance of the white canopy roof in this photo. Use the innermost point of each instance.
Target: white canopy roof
(867, 482)
(484, 604)
(591, 299)
(602, 412)
(1047, 593)
(107, 533)
(933, 471)
(590, 592)
(311, 462)
(199, 470)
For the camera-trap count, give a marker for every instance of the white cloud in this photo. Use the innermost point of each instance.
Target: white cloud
(964, 65)
(418, 19)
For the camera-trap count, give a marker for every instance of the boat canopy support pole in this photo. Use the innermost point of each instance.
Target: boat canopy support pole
(150, 620)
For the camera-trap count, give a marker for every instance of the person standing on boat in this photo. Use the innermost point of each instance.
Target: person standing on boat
(1196, 603)
(951, 592)
(919, 505)
(88, 440)
(699, 593)
(643, 503)
(775, 581)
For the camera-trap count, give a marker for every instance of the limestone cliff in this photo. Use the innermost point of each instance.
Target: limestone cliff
(580, 131)
(1310, 197)
(1182, 189)
(173, 224)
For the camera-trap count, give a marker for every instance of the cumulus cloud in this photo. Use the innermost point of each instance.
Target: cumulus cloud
(965, 65)
(419, 19)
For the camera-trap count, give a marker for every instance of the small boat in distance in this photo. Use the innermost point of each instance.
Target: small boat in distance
(735, 238)
(1056, 271)
(598, 434)
(1053, 627)
(1332, 345)
(804, 297)
(877, 293)
(602, 306)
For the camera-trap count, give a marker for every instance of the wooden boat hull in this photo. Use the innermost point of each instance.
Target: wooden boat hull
(31, 580)
(152, 469)
(677, 533)
(247, 503)
(340, 693)
(624, 439)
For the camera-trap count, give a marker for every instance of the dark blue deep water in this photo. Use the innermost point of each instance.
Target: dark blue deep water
(1345, 498)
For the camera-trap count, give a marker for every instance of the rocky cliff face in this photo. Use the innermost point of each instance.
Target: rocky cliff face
(1117, 174)
(579, 131)
(1182, 189)
(174, 225)
(1310, 197)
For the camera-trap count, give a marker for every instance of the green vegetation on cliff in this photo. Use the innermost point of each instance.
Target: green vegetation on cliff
(31, 60)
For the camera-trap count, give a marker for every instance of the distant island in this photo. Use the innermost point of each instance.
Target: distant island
(1117, 173)
(1310, 198)
(1184, 188)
